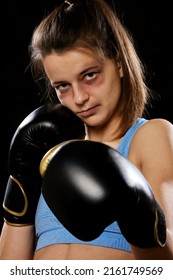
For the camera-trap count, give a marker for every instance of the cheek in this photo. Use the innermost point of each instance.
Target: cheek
(64, 99)
(97, 88)
(113, 91)
(99, 81)
(58, 94)
(60, 97)
(115, 82)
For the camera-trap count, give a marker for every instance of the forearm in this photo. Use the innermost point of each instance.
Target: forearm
(17, 243)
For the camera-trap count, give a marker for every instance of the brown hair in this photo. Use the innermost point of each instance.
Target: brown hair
(93, 24)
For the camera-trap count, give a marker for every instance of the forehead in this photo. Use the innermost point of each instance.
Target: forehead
(74, 61)
(75, 53)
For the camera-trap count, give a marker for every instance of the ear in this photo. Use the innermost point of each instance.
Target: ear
(119, 65)
(120, 69)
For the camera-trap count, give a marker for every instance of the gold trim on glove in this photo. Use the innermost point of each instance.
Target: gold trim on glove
(156, 235)
(48, 156)
(17, 225)
(46, 159)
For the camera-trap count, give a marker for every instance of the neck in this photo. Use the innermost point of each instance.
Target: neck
(107, 135)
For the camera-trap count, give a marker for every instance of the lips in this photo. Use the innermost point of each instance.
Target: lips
(89, 112)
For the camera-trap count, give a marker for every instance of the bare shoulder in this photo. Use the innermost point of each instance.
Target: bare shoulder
(155, 129)
(153, 140)
(157, 126)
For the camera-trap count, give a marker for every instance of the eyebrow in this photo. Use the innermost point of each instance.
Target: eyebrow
(80, 74)
(88, 69)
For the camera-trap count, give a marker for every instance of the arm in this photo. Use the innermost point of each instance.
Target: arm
(17, 243)
(153, 146)
(46, 126)
(88, 185)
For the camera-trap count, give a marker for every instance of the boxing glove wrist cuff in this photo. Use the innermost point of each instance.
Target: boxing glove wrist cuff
(15, 224)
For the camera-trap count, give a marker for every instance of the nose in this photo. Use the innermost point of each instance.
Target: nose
(80, 96)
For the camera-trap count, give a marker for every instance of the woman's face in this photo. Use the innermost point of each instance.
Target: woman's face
(88, 87)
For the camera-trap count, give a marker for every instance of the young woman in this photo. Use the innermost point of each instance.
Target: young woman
(84, 53)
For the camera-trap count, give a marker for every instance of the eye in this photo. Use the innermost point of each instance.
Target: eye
(62, 87)
(90, 76)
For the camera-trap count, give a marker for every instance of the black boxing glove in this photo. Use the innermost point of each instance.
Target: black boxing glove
(40, 130)
(88, 185)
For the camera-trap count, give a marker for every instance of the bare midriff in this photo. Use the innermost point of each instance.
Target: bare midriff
(81, 252)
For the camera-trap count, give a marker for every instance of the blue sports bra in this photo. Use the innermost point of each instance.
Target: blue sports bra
(50, 231)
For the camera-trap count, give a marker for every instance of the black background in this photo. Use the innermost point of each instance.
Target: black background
(150, 23)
